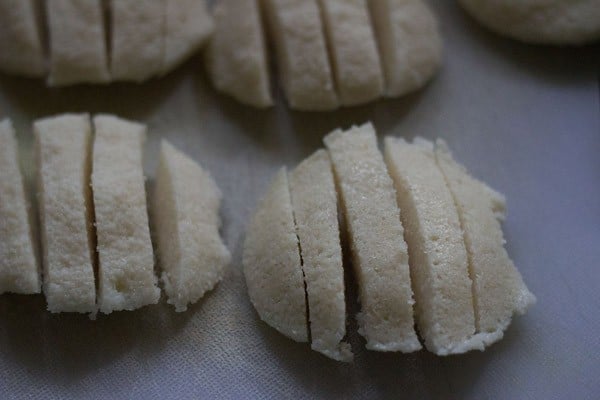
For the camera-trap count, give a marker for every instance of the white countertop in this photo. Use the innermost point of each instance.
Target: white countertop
(525, 119)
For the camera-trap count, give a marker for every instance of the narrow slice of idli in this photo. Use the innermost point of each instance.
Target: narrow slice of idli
(236, 56)
(137, 39)
(379, 252)
(19, 267)
(62, 148)
(21, 43)
(126, 279)
(498, 288)
(436, 248)
(272, 265)
(77, 42)
(355, 59)
(409, 43)
(296, 30)
(188, 26)
(314, 201)
(186, 209)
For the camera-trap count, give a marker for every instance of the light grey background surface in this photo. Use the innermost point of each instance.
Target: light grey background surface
(525, 119)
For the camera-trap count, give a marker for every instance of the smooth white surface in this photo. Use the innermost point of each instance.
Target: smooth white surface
(524, 119)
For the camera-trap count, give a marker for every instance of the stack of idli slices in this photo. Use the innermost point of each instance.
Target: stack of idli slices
(94, 227)
(327, 53)
(96, 41)
(425, 243)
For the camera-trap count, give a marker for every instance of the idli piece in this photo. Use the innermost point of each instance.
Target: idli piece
(498, 288)
(296, 29)
(272, 265)
(410, 45)
(137, 39)
(19, 267)
(379, 252)
(437, 254)
(314, 201)
(188, 26)
(62, 150)
(77, 38)
(353, 51)
(21, 42)
(126, 279)
(552, 22)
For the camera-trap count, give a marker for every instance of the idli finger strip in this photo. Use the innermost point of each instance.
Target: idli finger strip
(379, 252)
(296, 29)
(62, 150)
(272, 265)
(19, 267)
(126, 279)
(409, 43)
(21, 41)
(314, 201)
(236, 55)
(437, 254)
(137, 39)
